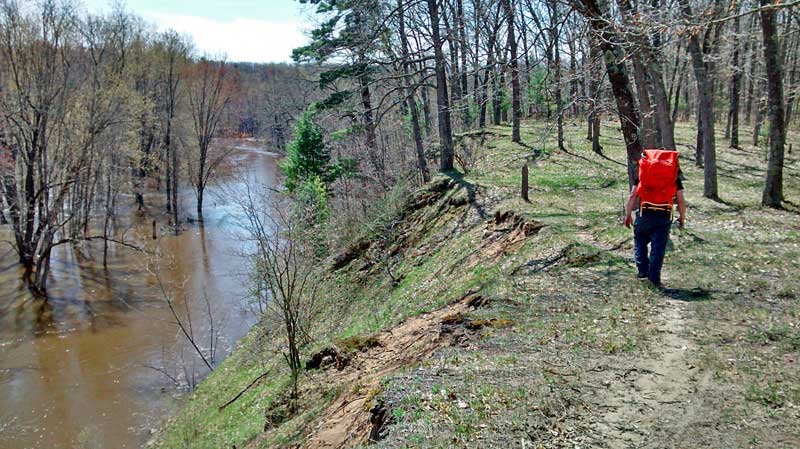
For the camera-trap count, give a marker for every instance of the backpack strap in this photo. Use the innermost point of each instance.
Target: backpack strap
(658, 207)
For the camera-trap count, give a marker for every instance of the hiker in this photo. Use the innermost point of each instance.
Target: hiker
(658, 185)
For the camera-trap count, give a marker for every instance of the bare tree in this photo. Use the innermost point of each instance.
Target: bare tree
(442, 101)
(705, 111)
(174, 54)
(284, 263)
(210, 89)
(508, 6)
(422, 162)
(620, 82)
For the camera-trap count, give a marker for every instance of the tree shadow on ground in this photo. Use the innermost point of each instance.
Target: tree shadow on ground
(600, 155)
(688, 295)
(734, 207)
(789, 206)
(536, 152)
(458, 177)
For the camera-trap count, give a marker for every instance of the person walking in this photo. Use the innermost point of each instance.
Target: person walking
(654, 193)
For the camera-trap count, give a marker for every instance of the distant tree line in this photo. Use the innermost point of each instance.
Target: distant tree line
(98, 110)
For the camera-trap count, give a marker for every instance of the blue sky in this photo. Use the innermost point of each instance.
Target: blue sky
(244, 30)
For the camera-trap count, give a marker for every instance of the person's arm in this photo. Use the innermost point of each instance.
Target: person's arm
(628, 219)
(681, 208)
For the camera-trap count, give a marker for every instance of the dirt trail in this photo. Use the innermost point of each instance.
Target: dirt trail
(648, 401)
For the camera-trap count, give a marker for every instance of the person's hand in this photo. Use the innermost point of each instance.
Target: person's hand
(627, 221)
(681, 222)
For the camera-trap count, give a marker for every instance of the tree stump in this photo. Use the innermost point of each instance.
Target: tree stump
(524, 187)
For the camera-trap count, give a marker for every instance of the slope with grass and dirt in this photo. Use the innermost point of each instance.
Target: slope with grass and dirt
(466, 317)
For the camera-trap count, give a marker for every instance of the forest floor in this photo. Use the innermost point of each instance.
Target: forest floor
(466, 317)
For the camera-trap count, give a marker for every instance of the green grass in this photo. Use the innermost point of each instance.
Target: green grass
(568, 290)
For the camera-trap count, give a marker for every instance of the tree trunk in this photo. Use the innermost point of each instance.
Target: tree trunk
(736, 81)
(422, 163)
(43, 266)
(648, 128)
(454, 80)
(554, 43)
(596, 134)
(687, 109)
(792, 85)
(443, 107)
(573, 78)
(698, 152)
(200, 203)
(503, 90)
(677, 101)
(658, 129)
(527, 104)
(426, 104)
(748, 105)
(174, 179)
(462, 39)
(706, 110)
(663, 119)
(515, 91)
(497, 96)
(487, 77)
(759, 119)
(620, 84)
(484, 98)
(369, 126)
(773, 189)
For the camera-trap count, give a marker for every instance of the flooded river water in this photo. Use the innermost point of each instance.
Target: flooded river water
(81, 370)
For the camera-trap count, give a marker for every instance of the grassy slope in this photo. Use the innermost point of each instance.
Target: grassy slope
(573, 367)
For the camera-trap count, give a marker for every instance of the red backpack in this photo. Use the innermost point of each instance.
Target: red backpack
(658, 175)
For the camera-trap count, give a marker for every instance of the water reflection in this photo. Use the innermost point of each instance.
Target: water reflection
(74, 370)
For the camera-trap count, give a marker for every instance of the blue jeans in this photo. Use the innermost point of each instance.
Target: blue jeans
(652, 229)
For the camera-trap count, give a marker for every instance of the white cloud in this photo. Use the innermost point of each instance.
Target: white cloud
(241, 39)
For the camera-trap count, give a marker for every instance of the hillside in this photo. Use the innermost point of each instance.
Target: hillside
(466, 317)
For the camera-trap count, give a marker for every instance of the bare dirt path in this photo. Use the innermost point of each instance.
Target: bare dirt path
(647, 401)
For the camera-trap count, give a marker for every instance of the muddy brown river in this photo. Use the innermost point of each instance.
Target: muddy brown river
(90, 367)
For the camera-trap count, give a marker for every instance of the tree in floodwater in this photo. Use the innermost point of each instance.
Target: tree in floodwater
(172, 51)
(57, 123)
(210, 86)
